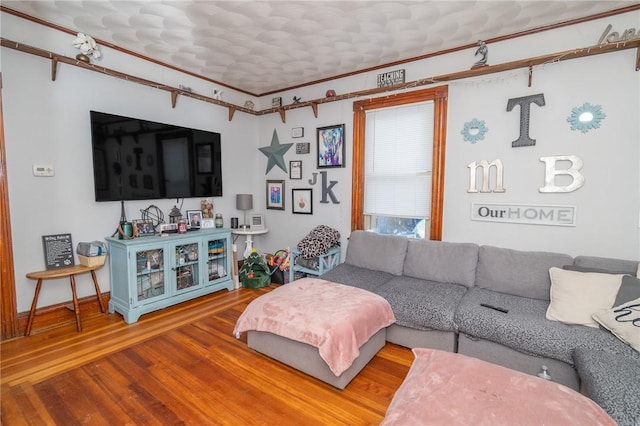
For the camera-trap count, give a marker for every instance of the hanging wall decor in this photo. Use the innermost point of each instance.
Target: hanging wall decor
(275, 153)
(586, 117)
(474, 130)
(331, 146)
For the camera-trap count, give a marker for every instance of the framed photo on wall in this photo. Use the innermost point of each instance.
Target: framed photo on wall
(302, 201)
(295, 169)
(331, 146)
(275, 194)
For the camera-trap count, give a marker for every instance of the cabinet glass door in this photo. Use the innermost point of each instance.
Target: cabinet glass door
(150, 274)
(186, 266)
(217, 259)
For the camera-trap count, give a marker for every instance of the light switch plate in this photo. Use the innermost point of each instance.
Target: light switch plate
(43, 170)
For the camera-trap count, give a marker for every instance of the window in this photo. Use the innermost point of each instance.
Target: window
(396, 193)
(398, 151)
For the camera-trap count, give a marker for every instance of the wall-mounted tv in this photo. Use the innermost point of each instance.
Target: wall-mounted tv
(137, 159)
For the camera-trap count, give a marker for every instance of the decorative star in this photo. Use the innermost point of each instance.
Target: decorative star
(275, 153)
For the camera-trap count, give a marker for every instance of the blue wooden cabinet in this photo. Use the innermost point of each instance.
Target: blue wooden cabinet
(151, 273)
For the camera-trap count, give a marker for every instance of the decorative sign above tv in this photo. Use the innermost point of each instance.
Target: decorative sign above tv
(390, 78)
(136, 159)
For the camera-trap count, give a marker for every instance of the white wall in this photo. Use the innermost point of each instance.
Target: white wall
(47, 122)
(608, 205)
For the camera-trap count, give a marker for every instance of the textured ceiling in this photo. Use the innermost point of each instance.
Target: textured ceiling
(265, 46)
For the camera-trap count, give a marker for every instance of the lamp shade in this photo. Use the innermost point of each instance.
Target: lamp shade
(244, 201)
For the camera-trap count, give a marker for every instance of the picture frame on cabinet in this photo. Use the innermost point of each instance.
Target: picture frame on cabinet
(194, 218)
(143, 228)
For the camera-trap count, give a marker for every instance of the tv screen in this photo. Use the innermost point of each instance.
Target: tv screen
(137, 159)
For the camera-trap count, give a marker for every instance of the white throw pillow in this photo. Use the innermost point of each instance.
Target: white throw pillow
(623, 321)
(576, 296)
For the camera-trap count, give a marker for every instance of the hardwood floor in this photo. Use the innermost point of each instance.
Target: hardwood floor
(181, 365)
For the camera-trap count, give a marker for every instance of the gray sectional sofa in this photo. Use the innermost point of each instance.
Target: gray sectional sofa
(437, 291)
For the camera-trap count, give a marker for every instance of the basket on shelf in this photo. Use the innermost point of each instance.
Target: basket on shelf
(92, 260)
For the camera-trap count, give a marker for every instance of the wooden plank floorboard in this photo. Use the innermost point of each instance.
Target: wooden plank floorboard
(180, 365)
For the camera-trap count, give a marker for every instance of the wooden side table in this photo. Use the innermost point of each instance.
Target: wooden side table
(70, 272)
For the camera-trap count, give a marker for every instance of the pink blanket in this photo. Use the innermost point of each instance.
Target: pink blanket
(443, 388)
(335, 318)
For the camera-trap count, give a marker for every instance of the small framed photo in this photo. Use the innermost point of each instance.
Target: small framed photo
(303, 148)
(295, 169)
(143, 228)
(297, 132)
(276, 102)
(302, 201)
(275, 194)
(208, 222)
(331, 146)
(256, 221)
(195, 218)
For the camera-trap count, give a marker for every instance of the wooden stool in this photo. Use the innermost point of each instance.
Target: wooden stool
(70, 272)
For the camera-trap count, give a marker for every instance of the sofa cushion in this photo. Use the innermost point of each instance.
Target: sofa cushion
(525, 328)
(521, 273)
(442, 261)
(623, 321)
(629, 290)
(421, 304)
(576, 296)
(376, 251)
(619, 266)
(611, 380)
(355, 276)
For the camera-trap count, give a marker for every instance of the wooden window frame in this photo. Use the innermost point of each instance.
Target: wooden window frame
(440, 96)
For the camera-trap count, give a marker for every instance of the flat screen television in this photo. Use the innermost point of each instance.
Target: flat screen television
(136, 159)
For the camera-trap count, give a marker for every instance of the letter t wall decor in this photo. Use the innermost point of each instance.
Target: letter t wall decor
(525, 113)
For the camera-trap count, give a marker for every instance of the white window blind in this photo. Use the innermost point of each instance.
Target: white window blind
(398, 161)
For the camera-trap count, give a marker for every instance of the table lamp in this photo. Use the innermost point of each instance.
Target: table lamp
(244, 202)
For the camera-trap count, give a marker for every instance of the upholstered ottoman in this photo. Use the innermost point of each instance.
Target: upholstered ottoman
(327, 330)
(444, 388)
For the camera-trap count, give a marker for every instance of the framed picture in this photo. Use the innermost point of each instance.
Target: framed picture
(256, 221)
(303, 148)
(143, 228)
(295, 169)
(331, 146)
(302, 201)
(275, 194)
(297, 132)
(195, 218)
(204, 153)
(208, 222)
(276, 102)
